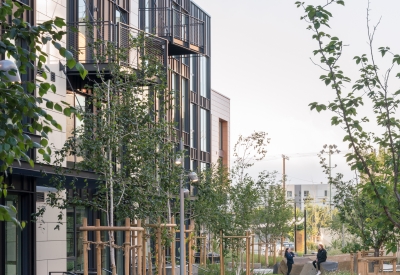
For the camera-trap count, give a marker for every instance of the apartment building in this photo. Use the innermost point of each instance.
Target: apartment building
(316, 194)
(182, 31)
(220, 128)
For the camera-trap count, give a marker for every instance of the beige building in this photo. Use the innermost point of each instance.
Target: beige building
(220, 128)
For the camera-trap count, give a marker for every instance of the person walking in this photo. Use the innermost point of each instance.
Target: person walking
(289, 257)
(321, 257)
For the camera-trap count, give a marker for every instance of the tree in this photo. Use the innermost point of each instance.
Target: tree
(383, 177)
(317, 217)
(272, 218)
(363, 218)
(21, 104)
(211, 208)
(124, 137)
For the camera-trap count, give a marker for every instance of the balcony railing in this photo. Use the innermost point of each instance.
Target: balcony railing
(187, 30)
(83, 38)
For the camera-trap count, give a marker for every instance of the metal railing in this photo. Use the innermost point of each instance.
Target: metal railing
(89, 42)
(171, 23)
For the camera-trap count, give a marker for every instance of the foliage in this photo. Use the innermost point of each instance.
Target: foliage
(273, 217)
(211, 208)
(244, 195)
(362, 217)
(317, 217)
(22, 106)
(124, 138)
(372, 89)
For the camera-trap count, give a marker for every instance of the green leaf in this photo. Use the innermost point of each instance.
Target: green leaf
(58, 107)
(49, 104)
(71, 63)
(67, 112)
(46, 157)
(59, 22)
(82, 71)
(44, 142)
(53, 88)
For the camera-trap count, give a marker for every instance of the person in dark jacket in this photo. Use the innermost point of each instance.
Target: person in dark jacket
(321, 257)
(289, 257)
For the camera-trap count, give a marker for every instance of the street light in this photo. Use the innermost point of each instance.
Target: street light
(184, 193)
(7, 66)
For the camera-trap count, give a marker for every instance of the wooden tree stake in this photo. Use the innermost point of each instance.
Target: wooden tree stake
(127, 245)
(139, 250)
(98, 248)
(85, 249)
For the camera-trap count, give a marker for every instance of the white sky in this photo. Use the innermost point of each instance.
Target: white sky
(260, 59)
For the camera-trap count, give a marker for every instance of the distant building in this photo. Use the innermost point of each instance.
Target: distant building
(317, 194)
(220, 128)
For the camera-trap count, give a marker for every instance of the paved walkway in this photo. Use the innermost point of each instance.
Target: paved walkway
(263, 271)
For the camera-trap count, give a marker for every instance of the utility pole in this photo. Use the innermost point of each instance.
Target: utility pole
(330, 150)
(284, 191)
(284, 172)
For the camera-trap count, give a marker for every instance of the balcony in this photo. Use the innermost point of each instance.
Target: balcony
(187, 34)
(81, 36)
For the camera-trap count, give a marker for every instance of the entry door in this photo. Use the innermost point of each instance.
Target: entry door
(12, 240)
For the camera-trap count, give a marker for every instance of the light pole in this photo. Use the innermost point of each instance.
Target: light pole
(183, 191)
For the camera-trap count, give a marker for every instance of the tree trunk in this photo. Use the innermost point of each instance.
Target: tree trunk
(111, 209)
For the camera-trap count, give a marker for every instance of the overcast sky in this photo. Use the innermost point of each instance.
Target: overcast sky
(260, 60)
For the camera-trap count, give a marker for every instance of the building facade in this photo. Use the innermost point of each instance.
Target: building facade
(315, 194)
(182, 31)
(220, 128)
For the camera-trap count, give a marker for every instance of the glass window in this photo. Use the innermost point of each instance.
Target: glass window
(306, 193)
(185, 109)
(193, 120)
(176, 93)
(80, 105)
(120, 15)
(289, 194)
(204, 130)
(74, 239)
(204, 77)
(13, 239)
(326, 193)
(193, 76)
(220, 136)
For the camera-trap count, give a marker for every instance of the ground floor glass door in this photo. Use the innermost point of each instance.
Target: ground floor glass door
(12, 240)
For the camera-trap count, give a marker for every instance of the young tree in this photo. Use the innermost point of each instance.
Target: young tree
(382, 185)
(124, 136)
(21, 103)
(272, 218)
(211, 208)
(363, 218)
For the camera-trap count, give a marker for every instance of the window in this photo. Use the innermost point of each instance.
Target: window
(193, 74)
(13, 238)
(204, 77)
(175, 90)
(204, 130)
(74, 242)
(185, 109)
(193, 125)
(221, 135)
(289, 194)
(120, 15)
(326, 193)
(306, 193)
